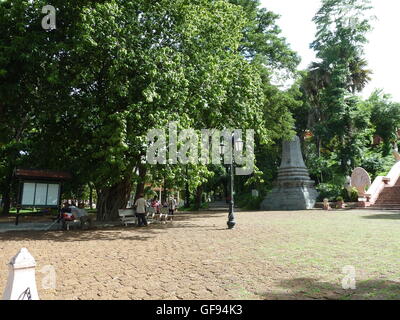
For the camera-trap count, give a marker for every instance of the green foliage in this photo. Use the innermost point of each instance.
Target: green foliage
(385, 117)
(340, 125)
(263, 40)
(342, 26)
(376, 164)
(191, 208)
(149, 193)
(334, 191)
(352, 197)
(81, 98)
(328, 191)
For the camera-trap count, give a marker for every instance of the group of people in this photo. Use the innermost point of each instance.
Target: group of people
(142, 206)
(71, 212)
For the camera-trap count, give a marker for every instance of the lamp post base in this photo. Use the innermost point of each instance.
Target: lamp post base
(231, 224)
(231, 218)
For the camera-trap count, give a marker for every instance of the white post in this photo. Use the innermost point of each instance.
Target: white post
(21, 283)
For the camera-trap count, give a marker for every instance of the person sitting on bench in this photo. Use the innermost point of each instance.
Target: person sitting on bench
(156, 205)
(82, 215)
(65, 209)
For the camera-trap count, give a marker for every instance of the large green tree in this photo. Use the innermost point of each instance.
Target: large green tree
(336, 116)
(82, 97)
(29, 57)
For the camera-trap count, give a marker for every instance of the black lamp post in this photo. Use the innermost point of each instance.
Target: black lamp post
(237, 145)
(231, 217)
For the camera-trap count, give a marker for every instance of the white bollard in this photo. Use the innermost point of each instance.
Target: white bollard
(21, 283)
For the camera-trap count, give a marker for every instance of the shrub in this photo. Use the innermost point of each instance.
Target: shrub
(329, 191)
(376, 165)
(248, 202)
(354, 195)
(194, 208)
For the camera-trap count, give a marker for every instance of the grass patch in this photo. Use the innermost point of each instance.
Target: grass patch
(316, 247)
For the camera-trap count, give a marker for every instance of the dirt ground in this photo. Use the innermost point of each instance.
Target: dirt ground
(269, 255)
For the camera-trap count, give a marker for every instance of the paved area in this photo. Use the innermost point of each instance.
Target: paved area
(47, 226)
(270, 255)
(6, 227)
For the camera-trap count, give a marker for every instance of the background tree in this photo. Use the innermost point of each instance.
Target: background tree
(385, 117)
(337, 118)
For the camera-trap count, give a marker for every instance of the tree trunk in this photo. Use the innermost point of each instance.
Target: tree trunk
(141, 182)
(187, 195)
(165, 193)
(199, 193)
(319, 147)
(7, 195)
(109, 200)
(90, 196)
(187, 191)
(6, 202)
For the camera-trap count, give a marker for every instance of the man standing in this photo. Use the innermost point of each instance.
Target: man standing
(140, 206)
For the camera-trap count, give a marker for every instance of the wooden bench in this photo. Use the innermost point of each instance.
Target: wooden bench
(151, 213)
(164, 214)
(67, 224)
(127, 216)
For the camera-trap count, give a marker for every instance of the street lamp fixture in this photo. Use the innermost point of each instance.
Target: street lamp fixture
(237, 146)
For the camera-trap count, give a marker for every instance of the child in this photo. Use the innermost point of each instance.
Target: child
(327, 205)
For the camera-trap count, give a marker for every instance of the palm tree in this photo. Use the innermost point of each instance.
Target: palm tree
(317, 78)
(360, 75)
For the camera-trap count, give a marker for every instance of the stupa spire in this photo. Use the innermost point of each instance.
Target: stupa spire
(294, 190)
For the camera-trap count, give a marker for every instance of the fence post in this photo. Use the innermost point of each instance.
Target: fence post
(21, 283)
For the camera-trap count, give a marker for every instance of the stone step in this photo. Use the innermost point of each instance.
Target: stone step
(391, 189)
(386, 206)
(389, 198)
(388, 191)
(384, 203)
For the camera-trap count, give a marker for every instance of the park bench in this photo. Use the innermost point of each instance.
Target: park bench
(127, 216)
(164, 214)
(66, 224)
(151, 213)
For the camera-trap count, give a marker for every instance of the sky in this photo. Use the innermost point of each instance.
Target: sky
(382, 52)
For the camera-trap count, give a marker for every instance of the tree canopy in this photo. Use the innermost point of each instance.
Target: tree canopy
(82, 97)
